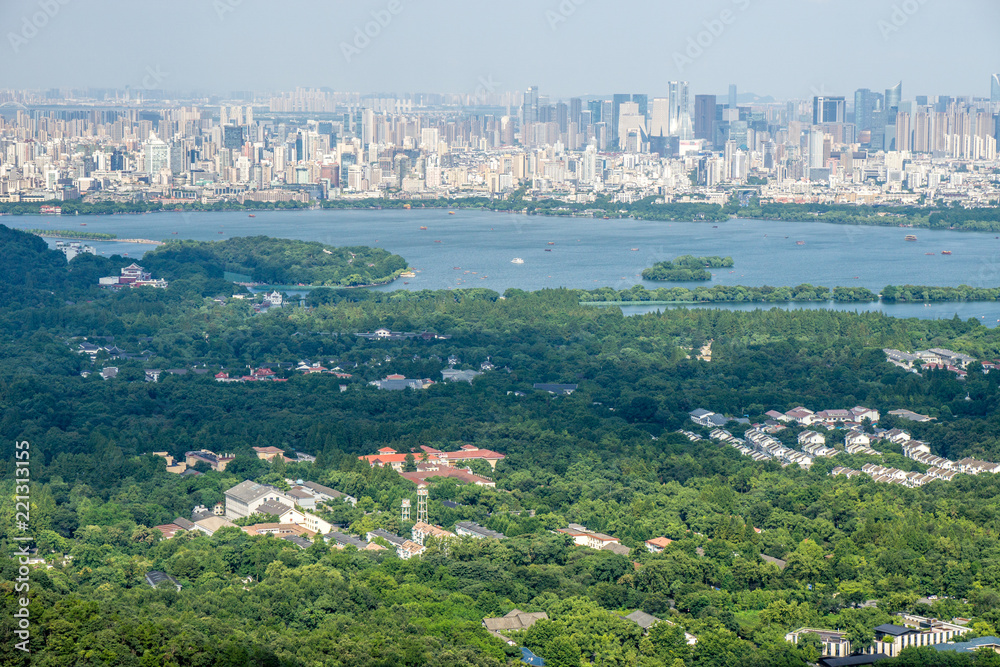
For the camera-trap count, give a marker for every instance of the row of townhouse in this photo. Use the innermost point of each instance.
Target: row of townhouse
(886, 475)
(920, 452)
(724, 436)
(890, 638)
(830, 418)
(895, 475)
(935, 356)
(857, 442)
(766, 444)
(818, 450)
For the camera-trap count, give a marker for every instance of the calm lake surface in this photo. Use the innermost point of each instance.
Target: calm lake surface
(475, 249)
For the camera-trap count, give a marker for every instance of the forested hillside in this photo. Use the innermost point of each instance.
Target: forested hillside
(607, 456)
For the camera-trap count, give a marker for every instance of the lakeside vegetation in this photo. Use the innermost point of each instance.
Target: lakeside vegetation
(70, 234)
(685, 268)
(935, 216)
(606, 456)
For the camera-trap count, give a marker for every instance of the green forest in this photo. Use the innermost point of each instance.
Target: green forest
(282, 261)
(685, 268)
(608, 456)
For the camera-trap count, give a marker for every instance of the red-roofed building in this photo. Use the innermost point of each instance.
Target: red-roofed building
(389, 456)
(658, 544)
(463, 475)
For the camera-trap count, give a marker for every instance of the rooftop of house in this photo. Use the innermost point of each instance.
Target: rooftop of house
(297, 540)
(893, 630)
(474, 527)
(156, 578)
(432, 531)
(514, 620)
(277, 529)
(462, 475)
(776, 561)
(248, 491)
(642, 619)
(345, 540)
(970, 646)
(273, 507)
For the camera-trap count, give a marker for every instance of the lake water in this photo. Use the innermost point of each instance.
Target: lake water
(475, 249)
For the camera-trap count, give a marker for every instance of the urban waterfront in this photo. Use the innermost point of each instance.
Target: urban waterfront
(475, 249)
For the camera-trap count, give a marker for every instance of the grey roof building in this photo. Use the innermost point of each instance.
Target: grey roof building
(155, 579)
(473, 529)
(557, 389)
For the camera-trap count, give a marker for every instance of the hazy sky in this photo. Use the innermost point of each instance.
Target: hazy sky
(784, 48)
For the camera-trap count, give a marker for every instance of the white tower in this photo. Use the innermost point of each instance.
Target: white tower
(406, 509)
(422, 504)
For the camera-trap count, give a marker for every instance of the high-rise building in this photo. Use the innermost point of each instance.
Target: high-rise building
(704, 116)
(529, 108)
(594, 107)
(829, 110)
(903, 136)
(616, 103)
(679, 110)
(562, 116)
(575, 109)
(893, 96)
(157, 155)
(816, 141)
(659, 123)
(233, 137)
(995, 88)
(867, 105)
(643, 102)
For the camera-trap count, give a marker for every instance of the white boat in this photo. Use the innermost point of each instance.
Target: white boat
(517, 260)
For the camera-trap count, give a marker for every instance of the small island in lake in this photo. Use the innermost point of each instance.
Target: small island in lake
(271, 261)
(685, 268)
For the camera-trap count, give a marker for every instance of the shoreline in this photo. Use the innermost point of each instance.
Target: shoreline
(917, 217)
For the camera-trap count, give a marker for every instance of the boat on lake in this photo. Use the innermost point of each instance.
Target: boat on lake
(910, 237)
(946, 252)
(517, 260)
(251, 216)
(800, 243)
(423, 228)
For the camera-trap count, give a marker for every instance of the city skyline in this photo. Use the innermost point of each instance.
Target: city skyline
(388, 45)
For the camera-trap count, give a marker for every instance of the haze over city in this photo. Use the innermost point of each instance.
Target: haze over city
(785, 49)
